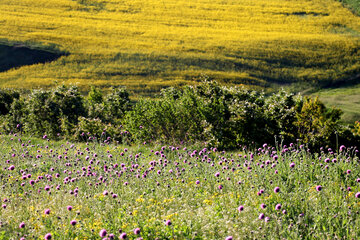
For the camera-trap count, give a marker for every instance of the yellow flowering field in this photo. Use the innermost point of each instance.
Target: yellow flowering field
(146, 45)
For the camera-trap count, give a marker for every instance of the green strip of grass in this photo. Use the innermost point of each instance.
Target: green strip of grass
(354, 5)
(347, 99)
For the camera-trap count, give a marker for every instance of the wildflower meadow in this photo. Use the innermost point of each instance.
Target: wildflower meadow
(171, 120)
(104, 190)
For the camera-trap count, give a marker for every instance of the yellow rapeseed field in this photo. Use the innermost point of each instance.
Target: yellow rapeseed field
(149, 44)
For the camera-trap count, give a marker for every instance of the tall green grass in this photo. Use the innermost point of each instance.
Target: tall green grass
(176, 192)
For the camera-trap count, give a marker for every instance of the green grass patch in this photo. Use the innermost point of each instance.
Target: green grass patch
(93, 190)
(354, 5)
(346, 98)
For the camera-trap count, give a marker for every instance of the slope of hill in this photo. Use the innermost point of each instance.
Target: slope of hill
(147, 45)
(345, 98)
(354, 5)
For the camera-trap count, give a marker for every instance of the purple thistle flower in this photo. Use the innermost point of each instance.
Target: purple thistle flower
(123, 236)
(103, 233)
(263, 206)
(357, 195)
(278, 206)
(261, 216)
(22, 225)
(168, 223)
(241, 208)
(220, 186)
(73, 222)
(137, 231)
(69, 208)
(318, 188)
(47, 211)
(342, 148)
(229, 238)
(348, 171)
(276, 189)
(48, 236)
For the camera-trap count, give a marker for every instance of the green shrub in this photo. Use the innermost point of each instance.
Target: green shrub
(46, 110)
(95, 129)
(7, 97)
(220, 116)
(316, 124)
(117, 103)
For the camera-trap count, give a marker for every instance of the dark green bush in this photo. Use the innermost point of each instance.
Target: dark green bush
(51, 112)
(117, 103)
(228, 117)
(220, 116)
(7, 97)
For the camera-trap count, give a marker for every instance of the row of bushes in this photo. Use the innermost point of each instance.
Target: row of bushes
(224, 117)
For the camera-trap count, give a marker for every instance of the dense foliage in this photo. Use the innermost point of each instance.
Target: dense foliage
(220, 116)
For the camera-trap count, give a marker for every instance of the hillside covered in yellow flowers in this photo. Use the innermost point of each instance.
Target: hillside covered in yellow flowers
(147, 44)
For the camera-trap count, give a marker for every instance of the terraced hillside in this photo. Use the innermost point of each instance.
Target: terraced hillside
(150, 44)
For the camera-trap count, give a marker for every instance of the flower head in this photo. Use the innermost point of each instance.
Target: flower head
(137, 231)
(48, 236)
(103, 233)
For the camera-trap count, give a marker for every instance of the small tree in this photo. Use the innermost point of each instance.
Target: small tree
(117, 103)
(316, 124)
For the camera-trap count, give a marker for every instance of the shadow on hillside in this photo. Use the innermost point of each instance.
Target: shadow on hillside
(20, 55)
